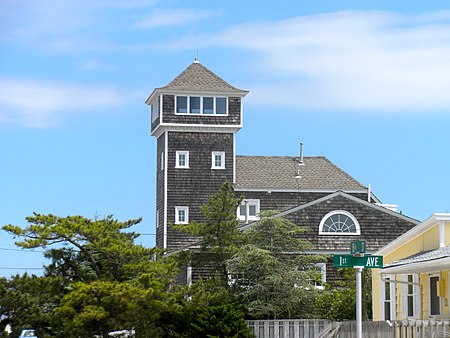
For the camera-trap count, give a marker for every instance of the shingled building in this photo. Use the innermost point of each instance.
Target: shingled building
(195, 119)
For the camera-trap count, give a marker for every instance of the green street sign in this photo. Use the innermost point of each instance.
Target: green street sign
(358, 247)
(367, 262)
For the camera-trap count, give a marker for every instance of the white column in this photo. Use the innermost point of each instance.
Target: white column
(441, 234)
(358, 270)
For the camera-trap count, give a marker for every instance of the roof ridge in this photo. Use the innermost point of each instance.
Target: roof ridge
(198, 77)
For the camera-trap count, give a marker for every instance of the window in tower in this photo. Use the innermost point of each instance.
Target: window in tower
(181, 105)
(201, 105)
(218, 160)
(181, 215)
(221, 105)
(208, 105)
(182, 159)
(194, 105)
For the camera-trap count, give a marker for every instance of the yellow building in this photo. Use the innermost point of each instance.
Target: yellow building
(415, 282)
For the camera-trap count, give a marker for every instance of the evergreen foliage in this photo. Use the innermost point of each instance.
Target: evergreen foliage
(272, 275)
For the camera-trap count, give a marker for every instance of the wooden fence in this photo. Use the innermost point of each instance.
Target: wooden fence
(321, 328)
(287, 328)
(421, 328)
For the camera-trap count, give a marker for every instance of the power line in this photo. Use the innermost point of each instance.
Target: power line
(5, 268)
(22, 250)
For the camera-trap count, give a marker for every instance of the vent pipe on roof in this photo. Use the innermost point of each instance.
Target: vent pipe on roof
(301, 152)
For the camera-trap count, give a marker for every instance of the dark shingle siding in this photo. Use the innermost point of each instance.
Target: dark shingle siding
(192, 187)
(378, 228)
(160, 191)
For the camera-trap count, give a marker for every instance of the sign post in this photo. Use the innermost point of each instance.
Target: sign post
(359, 261)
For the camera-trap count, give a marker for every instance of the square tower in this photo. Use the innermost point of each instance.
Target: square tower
(194, 119)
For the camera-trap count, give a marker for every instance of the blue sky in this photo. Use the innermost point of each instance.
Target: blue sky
(364, 83)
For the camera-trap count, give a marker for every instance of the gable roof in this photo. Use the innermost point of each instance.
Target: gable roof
(198, 78)
(342, 194)
(279, 173)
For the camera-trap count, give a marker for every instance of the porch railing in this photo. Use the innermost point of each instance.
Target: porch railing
(421, 328)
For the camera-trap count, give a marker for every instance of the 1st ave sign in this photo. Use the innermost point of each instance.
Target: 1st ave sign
(367, 262)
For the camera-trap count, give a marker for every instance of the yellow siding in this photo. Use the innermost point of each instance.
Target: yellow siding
(447, 233)
(376, 294)
(431, 238)
(424, 282)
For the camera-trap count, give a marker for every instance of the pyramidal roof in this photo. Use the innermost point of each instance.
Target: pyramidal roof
(197, 77)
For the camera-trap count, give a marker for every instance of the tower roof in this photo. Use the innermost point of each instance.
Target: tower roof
(198, 78)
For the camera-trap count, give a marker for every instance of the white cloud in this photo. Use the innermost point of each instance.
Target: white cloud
(172, 17)
(42, 104)
(352, 60)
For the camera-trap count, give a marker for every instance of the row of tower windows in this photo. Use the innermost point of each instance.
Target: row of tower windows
(182, 159)
(201, 105)
(194, 105)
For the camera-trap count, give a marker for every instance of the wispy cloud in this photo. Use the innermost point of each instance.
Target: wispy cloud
(352, 60)
(172, 17)
(42, 104)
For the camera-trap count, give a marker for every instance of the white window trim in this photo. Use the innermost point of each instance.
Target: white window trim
(247, 217)
(156, 108)
(186, 210)
(213, 159)
(162, 161)
(346, 213)
(214, 113)
(157, 219)
(429, 295)
(392, 301)
(416, 297)
(177, 159)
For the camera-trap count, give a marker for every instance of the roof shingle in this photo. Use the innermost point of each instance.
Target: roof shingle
(278, 172)
(197, 77)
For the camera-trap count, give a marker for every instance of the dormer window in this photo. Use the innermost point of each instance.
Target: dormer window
(201, 105)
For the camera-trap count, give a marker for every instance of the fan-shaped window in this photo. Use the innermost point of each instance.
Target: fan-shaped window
(339, 222)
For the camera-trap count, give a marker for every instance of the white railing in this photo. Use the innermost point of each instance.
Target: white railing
(287, 328)
(421, 328)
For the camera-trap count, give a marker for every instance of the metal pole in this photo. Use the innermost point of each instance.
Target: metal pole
(358, 270)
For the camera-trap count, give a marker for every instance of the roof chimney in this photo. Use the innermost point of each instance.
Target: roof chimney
(301, 152)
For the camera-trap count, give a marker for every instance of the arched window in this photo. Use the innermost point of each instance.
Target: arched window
(339, 222)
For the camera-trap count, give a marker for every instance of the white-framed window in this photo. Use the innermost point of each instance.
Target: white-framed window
(181, 215)
(156, 109)
(182, 159)
(435, 300)
(411, 296)
(388, 299)
(249, 210)
(218, 160)
(339, 222)
(157, 219)
(201, 105)
(162, 161)
(322, 268)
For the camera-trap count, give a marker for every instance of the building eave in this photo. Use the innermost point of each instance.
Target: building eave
(199, 128)
(419, 229)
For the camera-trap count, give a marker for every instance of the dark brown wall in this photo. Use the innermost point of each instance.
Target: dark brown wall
(192, 187)
(378, 228)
